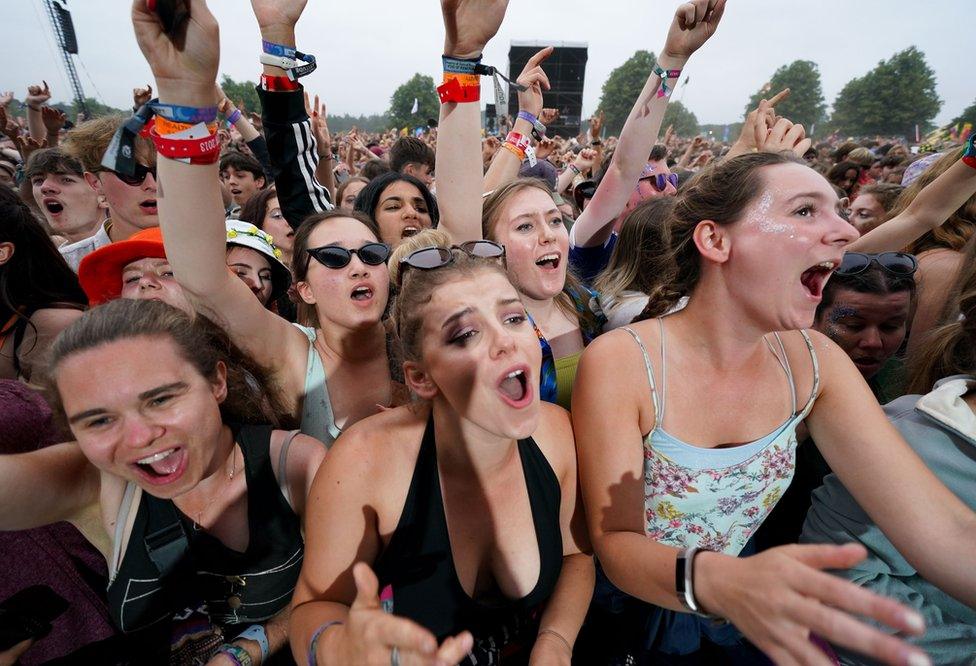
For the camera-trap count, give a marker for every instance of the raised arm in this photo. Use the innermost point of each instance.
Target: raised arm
(468, 26)
(505, 166)
(191, 213)
(694, 22)
(70, 487)
(775, 598)
(933, 206)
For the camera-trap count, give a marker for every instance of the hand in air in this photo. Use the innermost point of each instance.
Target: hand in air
(54, 119)
(778, 597)
(694, 23)
(585, 159)
(549, 116)
(141, 95)
(37, 95)
(762, 116)
(535, 81)
(370, 634)
(277, 13)
(781, 135)
(470, 24)
(6, 98)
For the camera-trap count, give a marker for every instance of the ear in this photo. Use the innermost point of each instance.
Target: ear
(410, 168)
(304, 290)
(713, 242)
(219, 382)
(93, 181)
(6, 252)
(419, 381)
(260, 182)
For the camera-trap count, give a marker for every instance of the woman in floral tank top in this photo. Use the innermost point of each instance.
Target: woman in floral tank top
(704, 407)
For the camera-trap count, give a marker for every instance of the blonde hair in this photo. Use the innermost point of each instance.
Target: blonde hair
(88, 141)
(426, 238)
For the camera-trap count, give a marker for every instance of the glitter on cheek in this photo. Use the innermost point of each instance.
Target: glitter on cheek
(760, 216)
(841, 312)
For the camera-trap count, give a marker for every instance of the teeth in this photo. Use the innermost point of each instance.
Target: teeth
(514, 374)
(829, 265)
(548, 257)
(154, 458)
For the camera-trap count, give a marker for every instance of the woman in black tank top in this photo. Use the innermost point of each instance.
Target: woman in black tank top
(464, 506)
(195, 504)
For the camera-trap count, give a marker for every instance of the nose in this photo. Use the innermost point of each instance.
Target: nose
(49, 185)
(149, 184)
(409, 212)
(251, 281)
(870, 338)
(139, 433)
(502, 341)
(149, 281)
(841, 232)
(357, 268)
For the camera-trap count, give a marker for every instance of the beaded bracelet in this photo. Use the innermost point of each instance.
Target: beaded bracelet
(312, 660)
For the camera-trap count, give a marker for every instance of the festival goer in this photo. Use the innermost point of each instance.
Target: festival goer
(479, 464)
(254, 258)
(412, 157)
(262, 210)
(401, 205)
(39, 293)
(844, 175)
(348, 191)
(673, 493)
(69, 204)
(872, 205)
(939, 428)
(176, 478)
(242, 175)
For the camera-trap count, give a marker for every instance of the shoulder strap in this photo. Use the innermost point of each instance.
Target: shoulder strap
(283, 465)
(655, 399)
(123, 525)
(815, 391)
(784, 362)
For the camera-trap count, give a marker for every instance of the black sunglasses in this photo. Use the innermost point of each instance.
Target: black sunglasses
(139, 177)
(659, 180)
(430, 258)
(896, 263)
(334, 256)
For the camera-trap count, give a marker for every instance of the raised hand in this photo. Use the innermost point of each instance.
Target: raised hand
(763, 117)
(489, 147)
(185, 65)
(694, 22)
(10, 129)
(596, 126)
(278, 13)
(320, 125)
(545, 148)
(37, 95)
(369, 635)
(535, 81)
(470, 24)
(778, 597)
(26, 145)
(781, 136)
(141, 95)
(6, 98)
(549, 116)
(53, 119)
(585, 159)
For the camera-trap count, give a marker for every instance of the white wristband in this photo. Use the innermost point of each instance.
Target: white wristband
(257, 634)
(277, 61)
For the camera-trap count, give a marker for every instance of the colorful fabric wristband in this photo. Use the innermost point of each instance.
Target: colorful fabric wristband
(313, 644)
(278, 83)
(460, 88)
(236, 653)
(278, 49)
(299, 71)
(204, 150)
(664, 90)
(185, 114)
(233, 117)
(969, 157)
(257, 634)
(538, 129)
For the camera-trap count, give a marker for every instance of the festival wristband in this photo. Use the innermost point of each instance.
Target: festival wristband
(969, 157)
(257, 634)
(278, 83)
(166, 127)
(185, 114)
(575, 169)
(538, 129)
(236, 653)
(313, 644)
(282, 62)
(278, 49)
(298, 71)
(233, 117)
(460, 65)
(204, 150)
(459, 88)
(664, 90)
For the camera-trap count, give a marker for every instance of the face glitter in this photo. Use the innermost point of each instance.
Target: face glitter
(842, 312)
(760, 216)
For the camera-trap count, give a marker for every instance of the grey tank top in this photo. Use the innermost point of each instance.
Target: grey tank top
(318, 420)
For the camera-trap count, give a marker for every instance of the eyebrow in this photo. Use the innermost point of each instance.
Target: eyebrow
(812, 195)
(146, 395)
(551, 211)
(454, 317)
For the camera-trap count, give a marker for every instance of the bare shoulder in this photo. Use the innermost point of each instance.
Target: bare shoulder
(53, 320)
(554, 437)
(831, 360)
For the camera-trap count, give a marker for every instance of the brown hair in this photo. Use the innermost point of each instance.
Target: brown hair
(949, 349)
(307, 315)
(342, 188)
(418, 286)
(957, 229)
(643, 250)
(886, 194)
(52, 160)
(490, 213)
(251, 398)
(88, 141)
(719, 193)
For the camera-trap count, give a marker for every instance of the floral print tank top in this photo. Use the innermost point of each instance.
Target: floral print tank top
(716, 499)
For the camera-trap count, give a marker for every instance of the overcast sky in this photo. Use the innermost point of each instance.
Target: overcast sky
(368, 47)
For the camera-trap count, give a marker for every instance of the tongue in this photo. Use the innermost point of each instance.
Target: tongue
(512, 388)
(810, 280)
(167, 465)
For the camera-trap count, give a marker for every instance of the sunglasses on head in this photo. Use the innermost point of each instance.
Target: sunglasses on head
(430, 258)
(896, 263)
(659, 180)
(334, 256)
(138, 178)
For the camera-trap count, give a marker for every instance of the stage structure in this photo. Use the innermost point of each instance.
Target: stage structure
(566, 69)
(64, 30)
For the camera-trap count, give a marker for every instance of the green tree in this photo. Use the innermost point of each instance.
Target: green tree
(345, 122)
(684, 121)
(242, 92)
(420, 88)
(890, 99)
(805, 105)
(95, 108)
(967, 116)
(622, 87)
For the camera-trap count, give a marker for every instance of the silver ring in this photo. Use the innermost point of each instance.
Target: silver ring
(395, 656)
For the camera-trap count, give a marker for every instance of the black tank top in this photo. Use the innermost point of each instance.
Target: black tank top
(170, 570)
(418, 566)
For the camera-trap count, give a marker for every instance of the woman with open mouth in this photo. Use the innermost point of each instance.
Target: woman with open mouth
(195, 501)
(463, 504)
(674, 491)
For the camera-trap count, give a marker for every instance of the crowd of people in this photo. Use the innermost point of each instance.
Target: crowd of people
(277, 395)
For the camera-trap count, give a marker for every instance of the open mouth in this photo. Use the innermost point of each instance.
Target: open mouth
(409, 231)
(235, 192)
(163, 467)
(361, 294)
(815, 278)
(149, 206)
(549, 261)
(53, 206)
(514, 388)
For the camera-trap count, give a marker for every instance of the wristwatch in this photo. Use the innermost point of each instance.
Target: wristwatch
(684, 582)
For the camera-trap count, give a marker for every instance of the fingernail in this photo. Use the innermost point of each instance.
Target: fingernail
(918, 659)
(915, 622)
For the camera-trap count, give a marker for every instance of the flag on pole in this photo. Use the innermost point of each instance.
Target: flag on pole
(416, 105)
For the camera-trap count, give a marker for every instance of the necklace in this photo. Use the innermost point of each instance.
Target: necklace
(198, 520)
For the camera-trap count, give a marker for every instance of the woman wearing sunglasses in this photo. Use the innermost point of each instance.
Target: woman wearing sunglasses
(674, 488)
(464, 504)
(938, 423)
